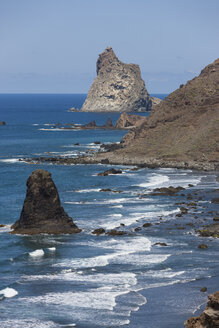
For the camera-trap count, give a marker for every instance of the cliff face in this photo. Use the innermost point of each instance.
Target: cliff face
(118, 87)
(209, 317)
(182, 128)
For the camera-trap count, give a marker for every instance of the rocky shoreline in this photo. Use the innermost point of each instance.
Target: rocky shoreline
(104, 158)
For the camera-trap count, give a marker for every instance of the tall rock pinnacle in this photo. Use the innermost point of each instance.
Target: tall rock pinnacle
(42, 211)
(118, 87)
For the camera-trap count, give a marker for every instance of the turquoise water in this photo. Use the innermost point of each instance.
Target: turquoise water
(88, 281)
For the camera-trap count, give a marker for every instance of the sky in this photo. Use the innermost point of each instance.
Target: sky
(51, 46)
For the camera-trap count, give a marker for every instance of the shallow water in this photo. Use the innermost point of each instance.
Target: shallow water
(93, 281)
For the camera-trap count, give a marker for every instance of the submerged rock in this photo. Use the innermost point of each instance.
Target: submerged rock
(118, 87)
(98, 231)
(111, 171)
(209, 317)
(42, 211)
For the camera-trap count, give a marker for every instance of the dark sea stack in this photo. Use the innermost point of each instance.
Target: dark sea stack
(118, 87)
(181, 131)
(42, 211)
(209, 317)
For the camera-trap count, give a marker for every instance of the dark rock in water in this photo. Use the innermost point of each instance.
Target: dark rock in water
(146, 225)
(202, 246)
(211, 231)
(2, 225)
(111, 171)
(114, 232)
(92, 124)
(105, 190)
(166, 191)
(216, 218)
(97, 142)
(98, 231)
(209, 317)
(160, 244)
(42, 211)
(203, 289)
(108, 124)
(215, 201)
(118, 87)
(2, 123)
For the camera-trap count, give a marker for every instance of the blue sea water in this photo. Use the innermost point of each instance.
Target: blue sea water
(90, 281)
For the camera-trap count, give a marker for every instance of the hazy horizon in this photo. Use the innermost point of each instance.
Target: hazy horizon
(52, 46)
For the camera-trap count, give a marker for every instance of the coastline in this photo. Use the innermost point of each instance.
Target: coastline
(114, 158)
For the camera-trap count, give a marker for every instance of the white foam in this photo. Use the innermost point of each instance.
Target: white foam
(57, 129)
(121, 247)
(27, 323)
(8, 292)
(109, 201)
(37, 253)
(6, 228)
(88, 190)
(10, 160)
(155, 180)
(166, 273)
(117, 206)
(51, 249)
(116, 215)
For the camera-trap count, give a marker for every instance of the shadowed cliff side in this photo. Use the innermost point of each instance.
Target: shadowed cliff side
(118, 87)
(183, 128)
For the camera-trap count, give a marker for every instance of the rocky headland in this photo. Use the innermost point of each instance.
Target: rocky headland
(42, 211)
(209, 317)
(118, 87)
(182, 131)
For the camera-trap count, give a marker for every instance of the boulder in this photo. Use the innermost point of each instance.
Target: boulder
(111, 171)
(118, 87)
(2, 123)
(42, 211)
(209, 317)
(129, 121)
(155, 101)
(114, 232)
(98, 231)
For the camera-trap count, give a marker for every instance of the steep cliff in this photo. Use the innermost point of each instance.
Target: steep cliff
(118, 87)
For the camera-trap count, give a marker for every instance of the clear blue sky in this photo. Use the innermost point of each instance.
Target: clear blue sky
(51, 46)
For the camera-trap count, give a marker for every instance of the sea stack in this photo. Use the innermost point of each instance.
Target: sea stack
(209, 317)
(42, 211)
(118, 87)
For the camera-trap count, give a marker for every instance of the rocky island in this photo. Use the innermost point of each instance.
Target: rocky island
(118, 87)
(42, 211)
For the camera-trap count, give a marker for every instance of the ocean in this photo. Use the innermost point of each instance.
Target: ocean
(89, 281)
